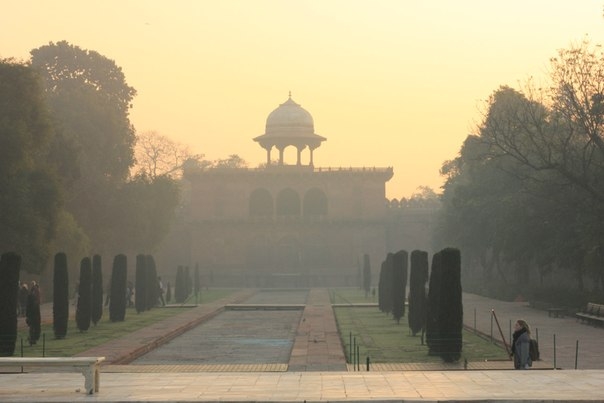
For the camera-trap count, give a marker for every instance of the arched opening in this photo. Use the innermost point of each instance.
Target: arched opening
(315, 203)
(261, 203)
(288, 203)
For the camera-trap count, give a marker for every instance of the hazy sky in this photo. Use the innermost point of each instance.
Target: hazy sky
(389, 83)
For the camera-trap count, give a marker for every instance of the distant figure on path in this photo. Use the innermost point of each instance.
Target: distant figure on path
(160, 287)
(23, 293)
(33, 317)
(521, 340)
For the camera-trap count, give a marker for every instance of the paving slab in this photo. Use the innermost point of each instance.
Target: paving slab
(333, 386)
(318, 352)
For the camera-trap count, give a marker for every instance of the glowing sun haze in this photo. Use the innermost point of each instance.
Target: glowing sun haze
(388, 83)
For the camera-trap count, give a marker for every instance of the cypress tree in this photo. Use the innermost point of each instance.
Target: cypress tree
(140, 284)
(179, 293)
(152, 282)
(168, 292)
(84, 303)
(197, 282)
(417, 291)
(387, 285)
(433, 337)
(188, 283)
(366, 274)
(97, 290)
(381, 286)
(451, 308)
(10, 264)
(399, 284)
(60, 307)
(117, 302)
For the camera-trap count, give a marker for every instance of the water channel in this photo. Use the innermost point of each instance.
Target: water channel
(237, 336)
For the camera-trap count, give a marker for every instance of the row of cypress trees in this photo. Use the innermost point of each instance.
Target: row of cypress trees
(440, 313)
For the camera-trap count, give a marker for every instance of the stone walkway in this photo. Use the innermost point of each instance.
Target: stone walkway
(317, 370)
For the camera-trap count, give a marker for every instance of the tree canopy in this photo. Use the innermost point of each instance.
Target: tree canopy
(30, 199)
(527, 189)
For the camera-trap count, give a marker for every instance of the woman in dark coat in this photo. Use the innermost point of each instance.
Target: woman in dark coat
(33, 317)
(521, 340)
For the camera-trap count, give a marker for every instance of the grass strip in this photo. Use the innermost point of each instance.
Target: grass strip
(75, 342)
(379, 337)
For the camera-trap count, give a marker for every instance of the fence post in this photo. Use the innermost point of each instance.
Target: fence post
(350, 347)
(358, 359)
(554, 350)
(43, 344)
(354, 356)
(576, 354)
(367, 363)
(475, 330)
(492, 326)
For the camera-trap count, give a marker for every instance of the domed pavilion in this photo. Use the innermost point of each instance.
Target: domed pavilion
(289, 125)
(283, 225)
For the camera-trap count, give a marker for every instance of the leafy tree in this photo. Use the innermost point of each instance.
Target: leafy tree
(84, 303)
(60, 307)
(233, 161)
(119, 277)
(30, 200)
(10, 264)
(97, 290)
(143, 210)
(527, 191)
(399, 284)
(90, 99)
(417, 291)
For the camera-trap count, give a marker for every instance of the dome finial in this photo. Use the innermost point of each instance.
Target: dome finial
(290, 95)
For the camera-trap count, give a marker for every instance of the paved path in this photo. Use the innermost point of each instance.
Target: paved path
(315, 347)
(567, 331)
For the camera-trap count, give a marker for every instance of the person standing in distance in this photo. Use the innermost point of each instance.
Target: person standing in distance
(521, 340)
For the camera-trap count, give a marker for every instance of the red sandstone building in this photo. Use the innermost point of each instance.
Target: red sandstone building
(287, 224)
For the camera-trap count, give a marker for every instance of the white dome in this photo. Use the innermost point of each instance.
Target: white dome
(289, 119)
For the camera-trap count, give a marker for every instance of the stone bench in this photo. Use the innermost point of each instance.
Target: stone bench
(593, 313)
(88, 366)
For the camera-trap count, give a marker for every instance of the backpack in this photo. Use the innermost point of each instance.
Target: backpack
(534, 350)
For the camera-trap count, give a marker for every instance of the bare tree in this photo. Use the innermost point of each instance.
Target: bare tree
(158, 155)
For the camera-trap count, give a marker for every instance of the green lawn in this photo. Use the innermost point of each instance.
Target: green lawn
(75, 342)
(384, 341)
